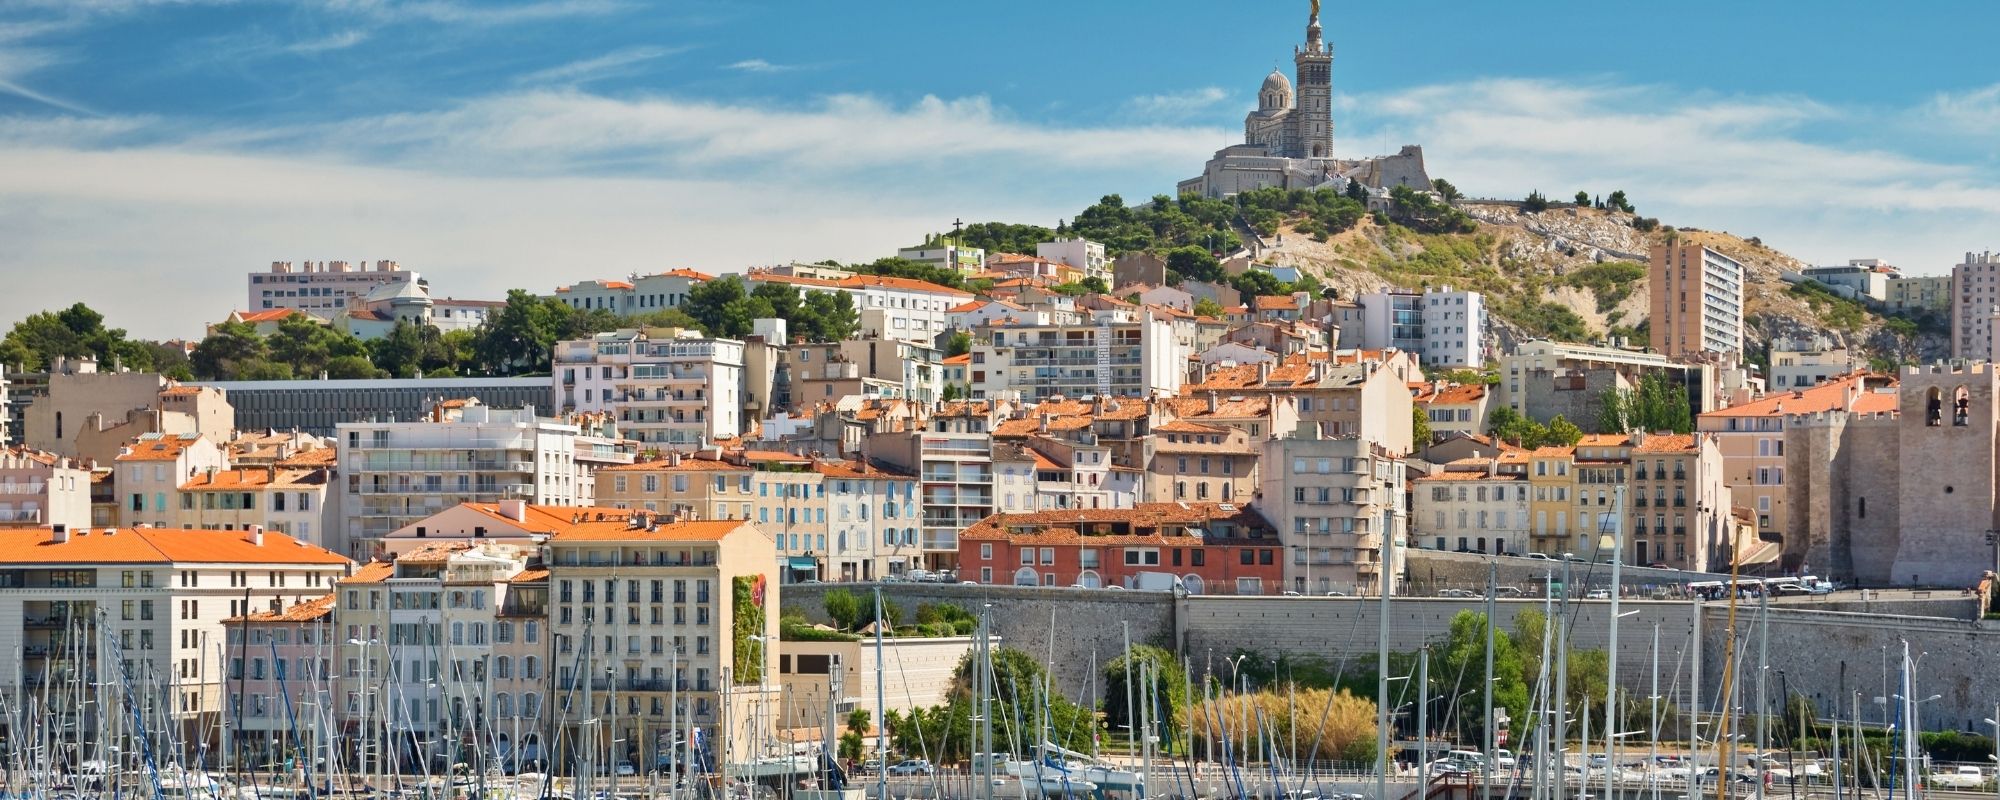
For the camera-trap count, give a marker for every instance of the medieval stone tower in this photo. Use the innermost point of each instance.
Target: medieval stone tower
(1946, 469)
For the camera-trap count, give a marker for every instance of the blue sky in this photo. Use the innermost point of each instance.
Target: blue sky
(152, 151)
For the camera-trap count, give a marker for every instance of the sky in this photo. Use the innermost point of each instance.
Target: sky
(153, 152)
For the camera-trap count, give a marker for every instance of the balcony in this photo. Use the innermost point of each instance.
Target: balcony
(30, 516)
(1639, 502)
(944, 540)
(30, 489)
(477, 490)
(1680, 475)
(1680, 502)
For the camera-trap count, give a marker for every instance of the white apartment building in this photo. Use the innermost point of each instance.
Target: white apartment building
(1471, 507)
(154, 599)
(889, 308)
(1085, 255)
(396, 473)
(1118, 352)
(1445, 328)
(639, 294)
(678, 393)
(955, 469)
(148, 473)
(1799, 364)
(38, 488)
(283, 500)
(1865, 279)
(418, 640)
(652, 612)
(1975, 294)
(322, 287)
(944, 253)
(1333, 502)
(1697, 300)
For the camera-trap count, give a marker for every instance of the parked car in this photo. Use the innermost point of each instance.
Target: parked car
(1598, 594)
(1538, 556)
(1336, 593)
(913, 766)
(870, 765)
(626, 769)
(1966, 777)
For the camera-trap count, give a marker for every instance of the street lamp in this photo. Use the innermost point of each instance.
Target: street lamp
(1995, 722)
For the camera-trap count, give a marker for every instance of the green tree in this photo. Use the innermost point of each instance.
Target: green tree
(260, 369)
(1561, 431)
(844, 608)
(349, 367)
(959, 344)
(1169, 708)
(1508, 425)
(1459, 663)
(1583, 199)
(74, 332)
(1611, 411)
(1536, 202)
(401, 351)
(1002, 237)
(914, 270)
(521, 336)
(1618, 201)
(1194, 263)
(1258, 283)
(1094, 285)
(231, 345)
(1357, 192)
(1420, 426)
(828, 316)
(1445, 190)
(306, 346)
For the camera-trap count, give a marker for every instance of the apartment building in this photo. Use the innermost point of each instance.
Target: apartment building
(1803, 363)
(665, 389)
(639, 294)
(397, 473)
(1211, 548)
(418, 649)
(39, 488)
(1087, 257)
(149, 471)
(1453, 408)
(945, 253)
(320, 287)
(919, 672)
(1200, 463)
(678, 617)
(1118, 352)
(151, 601)
(1476, 505)
(1543, 379)
(283, 500)
(955, 472)
(1347, 393)
(86, 414)
(1444, 327)
(281, 673)
(1975, 297)
(1697, 299)
(1336, 502)
(893, 308)
(1864, 279)
(1910, 295)
(870, 368)
(1679, 479)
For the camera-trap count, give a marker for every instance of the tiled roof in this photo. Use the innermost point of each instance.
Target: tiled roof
(961, 358)
(1231, 407)
(1469, 475)
(617, 285)
(1061, 527)
(532, 575)
(1275, 302)
(1451, 395)
(252, 479)
(693, 531)
(434, 552)
(157, 447)
(569, 523)
(688, 274)
(965, 408)
(778, 456)
(156, 546)
(266, 315)
(1824, 397)
(687, 464)
(1184, 426)
(853, 469)
(1666, 443)
(314, 458)
(372, 572)
(1552, 450)
(308, 611)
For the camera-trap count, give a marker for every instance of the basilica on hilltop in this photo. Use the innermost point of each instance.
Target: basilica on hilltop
(1288, 140)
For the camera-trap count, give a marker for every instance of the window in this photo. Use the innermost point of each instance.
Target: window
(1048, 555)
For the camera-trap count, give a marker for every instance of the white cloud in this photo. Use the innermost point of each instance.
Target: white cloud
(612, 63)
(335, 41)
(473, 13)
(1177, 105)
(760, 65)
(1974, 112)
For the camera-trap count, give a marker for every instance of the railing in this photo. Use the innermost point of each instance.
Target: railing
(21, 516)
(463, 444)
(508, 489)
(23, 488)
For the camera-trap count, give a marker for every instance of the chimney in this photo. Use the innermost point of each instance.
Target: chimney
(514, 509)
(674, 458)
(61, 532)
(1044, 425)
(257, 535)
(1263, 372)
(1211, 402)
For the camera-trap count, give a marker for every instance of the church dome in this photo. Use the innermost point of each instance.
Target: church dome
(1276, 94)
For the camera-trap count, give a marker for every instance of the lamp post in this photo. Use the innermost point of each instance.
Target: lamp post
(1995, 722)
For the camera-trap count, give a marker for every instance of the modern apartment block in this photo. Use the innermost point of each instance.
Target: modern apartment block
(665, 390)
(1919, 294)
(1445, 328)
(1335, 502)
(396, 473)
(1118, 352)
(888, 307)
(1697, 300)
(322, 287)
(825, 372)
(955, 470)
(1084, 255)
(1802, 363)
(1975, 298)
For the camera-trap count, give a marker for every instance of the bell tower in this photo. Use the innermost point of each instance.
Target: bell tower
(1314, 115)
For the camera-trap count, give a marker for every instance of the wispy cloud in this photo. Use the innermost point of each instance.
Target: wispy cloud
(1177, 105)
(474, 13)
(335, 41)
(610, 64)
(760, 65)
(1974, 112)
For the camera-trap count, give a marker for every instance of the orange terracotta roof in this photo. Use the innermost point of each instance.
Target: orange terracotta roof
(965, 307)
(688, 274)
(617, 285)
(778, 456)
(1469, 475)
(156, 546)
(434, 552)
(251, 479)
(1184, 426)
(1232, 407)
(1275, 302)
(308, 611)
(1452, 395)
(1824, 397)
(965, 408)
(1666, 443)
(1604, 440)
(308, 459)
(266, 315)
(532, 575)
(155, 447)
(1554, 450)
(693, 531)
(961, 358)
(372, 572)
(853, 469)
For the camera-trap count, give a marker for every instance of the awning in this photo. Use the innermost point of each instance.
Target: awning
(803, 563)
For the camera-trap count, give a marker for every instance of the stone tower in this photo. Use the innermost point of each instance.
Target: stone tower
(1313, 121)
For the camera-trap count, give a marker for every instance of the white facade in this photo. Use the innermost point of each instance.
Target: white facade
(39, 488)
(1446, 328)
(1118, 353)
(945, 254)
(890, 308)
(1480, 511)
(1859, 279)
(1333, 502)
(396, 473)
(1803, 364)
(1083, 254)
(319, 286)
(679, 393)
(639, 294)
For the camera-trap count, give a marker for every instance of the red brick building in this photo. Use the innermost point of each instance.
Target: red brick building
(1214, 548)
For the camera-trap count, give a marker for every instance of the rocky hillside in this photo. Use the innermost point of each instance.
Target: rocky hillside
(1579, 274)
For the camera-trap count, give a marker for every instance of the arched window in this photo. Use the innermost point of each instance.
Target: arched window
(1026, 576)
(503, 705)
(503, 667)
(1192, 583)
(1089, 579)
(1934, 407)
(531, 668)
(1961, 407)
(531, 705)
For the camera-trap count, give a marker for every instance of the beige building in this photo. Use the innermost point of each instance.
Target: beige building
(1912, 295)
(1752, 437)
(1192, 462)
(38, 488)
(89, 414)
(1975, 300)
(284, 500)
(148, 472)
(880, 367)
(1697, 300)
(917, 672)
(1361, 393)
(1472, 505)
(1800, 364)
(1334, 502)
